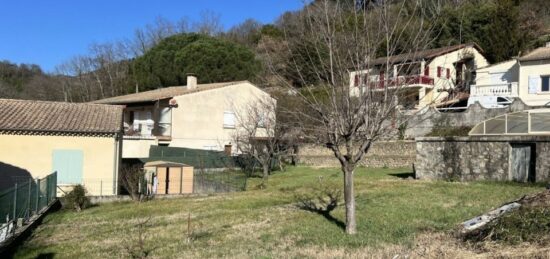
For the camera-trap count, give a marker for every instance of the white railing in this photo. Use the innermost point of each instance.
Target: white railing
(506, 89)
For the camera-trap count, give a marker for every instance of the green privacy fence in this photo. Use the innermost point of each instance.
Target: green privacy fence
(194, 157)
(28, 197)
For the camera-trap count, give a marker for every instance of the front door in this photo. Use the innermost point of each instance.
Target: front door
(522, 163)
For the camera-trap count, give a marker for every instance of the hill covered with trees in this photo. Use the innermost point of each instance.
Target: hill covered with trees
(161, 53)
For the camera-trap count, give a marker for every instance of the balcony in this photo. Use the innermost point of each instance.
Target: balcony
(506, 89)
(148, 130)
(402, 81)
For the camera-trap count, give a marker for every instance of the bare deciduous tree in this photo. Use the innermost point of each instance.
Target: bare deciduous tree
(335, 39)
(257, 133)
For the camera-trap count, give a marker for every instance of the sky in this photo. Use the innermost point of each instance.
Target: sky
(48, 33)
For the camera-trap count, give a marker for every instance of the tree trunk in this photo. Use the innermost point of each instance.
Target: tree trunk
(266, 171)
(349, 199)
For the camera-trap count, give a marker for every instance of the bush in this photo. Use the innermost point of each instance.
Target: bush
(76, 199)
(132, 179)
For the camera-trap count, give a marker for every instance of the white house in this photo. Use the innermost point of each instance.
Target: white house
(197, 116)
(527, 78)
(429, 75)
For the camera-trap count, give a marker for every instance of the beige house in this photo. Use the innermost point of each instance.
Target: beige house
(427, 76)
(527, 78)
(197, 116)
(81, 142)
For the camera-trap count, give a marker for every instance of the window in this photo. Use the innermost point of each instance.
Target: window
(165, 122)
(229, 120)
(448, 73)
(439, 71)
(503, 100)
(545, 86)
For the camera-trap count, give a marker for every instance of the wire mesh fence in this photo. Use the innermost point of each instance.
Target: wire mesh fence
(205, 181)
(27, 198)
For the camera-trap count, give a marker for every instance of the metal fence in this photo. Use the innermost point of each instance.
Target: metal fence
(205, 181)
(26, 199)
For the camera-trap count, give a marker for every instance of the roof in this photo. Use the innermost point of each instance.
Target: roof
(498, 64)
(164, 93)
(537, 54)
(42, 116)
(160, 163)
(422, 54)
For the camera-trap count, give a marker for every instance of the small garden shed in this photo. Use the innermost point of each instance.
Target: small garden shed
(172, 178)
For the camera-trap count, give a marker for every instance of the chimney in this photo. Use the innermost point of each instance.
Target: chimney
(191, 81)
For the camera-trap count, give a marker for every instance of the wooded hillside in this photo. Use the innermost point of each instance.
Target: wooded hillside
(253, 51)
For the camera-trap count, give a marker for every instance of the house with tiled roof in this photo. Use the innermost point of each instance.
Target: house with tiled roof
(424, 77)
(195, 116)
(526, 77)
(81, 142)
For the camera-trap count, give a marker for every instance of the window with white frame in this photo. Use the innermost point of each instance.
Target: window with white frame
(229, 120)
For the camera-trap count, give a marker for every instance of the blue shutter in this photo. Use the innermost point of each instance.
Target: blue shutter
(545, 84)
(68, 165)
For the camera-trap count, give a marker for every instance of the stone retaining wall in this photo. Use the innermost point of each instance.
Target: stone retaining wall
(476, 158)
(391, 154)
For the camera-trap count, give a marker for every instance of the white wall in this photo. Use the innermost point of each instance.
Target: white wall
(505, 72)
(533, 68)
(197, 122)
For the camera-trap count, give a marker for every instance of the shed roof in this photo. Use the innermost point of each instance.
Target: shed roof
(163, 93)
(537, 54)
(422, 54)
(160, 163)
(43, 116)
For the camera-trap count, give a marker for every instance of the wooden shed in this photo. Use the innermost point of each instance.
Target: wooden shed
(173, 178)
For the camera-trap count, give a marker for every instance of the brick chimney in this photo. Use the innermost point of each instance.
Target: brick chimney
(191, 81)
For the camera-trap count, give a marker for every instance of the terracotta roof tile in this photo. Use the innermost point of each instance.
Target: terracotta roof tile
(537, 54)
(163, 93)
(41, 116)
(422, 54)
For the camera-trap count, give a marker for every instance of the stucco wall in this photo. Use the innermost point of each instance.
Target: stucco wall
(34, 154)
(391, 154)
(475, 158)
(447, 61)
(137, 148)
(197, 122)
(533, 68)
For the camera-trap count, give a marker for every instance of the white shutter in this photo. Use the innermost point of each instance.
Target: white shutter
(534, 84)
(228, 119)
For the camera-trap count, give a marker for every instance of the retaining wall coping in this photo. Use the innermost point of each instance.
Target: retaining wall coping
(500, 138)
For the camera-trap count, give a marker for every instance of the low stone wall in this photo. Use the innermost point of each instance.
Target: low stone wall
(392, 154)
(476, 158)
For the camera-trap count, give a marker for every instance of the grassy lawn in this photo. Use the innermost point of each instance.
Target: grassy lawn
(391, 211)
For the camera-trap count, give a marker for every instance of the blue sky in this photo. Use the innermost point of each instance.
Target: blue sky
(49, 32)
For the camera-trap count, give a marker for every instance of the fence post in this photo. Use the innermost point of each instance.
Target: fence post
(37, 195)
(15, 201)
(29, 198)
(47, 191)
(100, 187)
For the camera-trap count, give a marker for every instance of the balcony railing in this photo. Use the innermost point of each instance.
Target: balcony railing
(144, 130)
(506, 89)
(402, 81)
